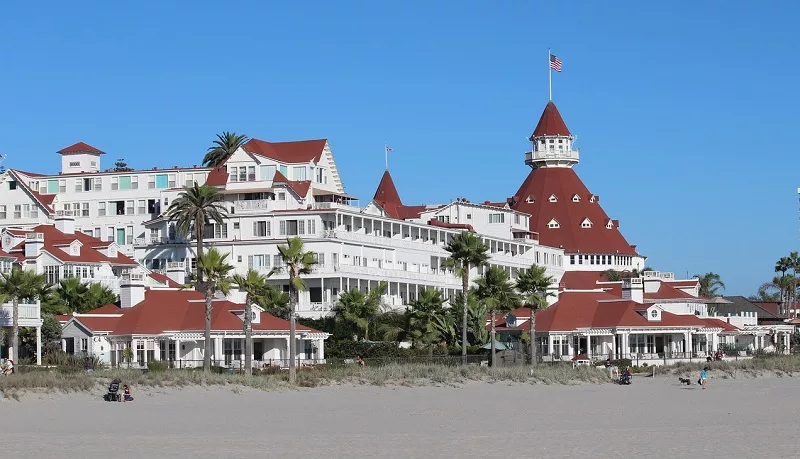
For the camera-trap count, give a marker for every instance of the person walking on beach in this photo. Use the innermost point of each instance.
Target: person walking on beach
(703, 377)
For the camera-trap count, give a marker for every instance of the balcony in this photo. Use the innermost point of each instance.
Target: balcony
(254, 205)
(334, 205)
(555, 156)
(145, 241)
(418, 244)
(29, 315)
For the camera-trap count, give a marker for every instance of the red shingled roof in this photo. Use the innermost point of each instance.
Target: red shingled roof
(54, 240)
(551, 123)
(80, 147)
(98, 324)
(387, 197)
(667, 292)
(45, 201)
(164, 279)
(564, 183)
(184, 310)
(301, 151)
(441, 224)
(299, 187)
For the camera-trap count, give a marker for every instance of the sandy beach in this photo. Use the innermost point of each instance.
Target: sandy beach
(654, 417)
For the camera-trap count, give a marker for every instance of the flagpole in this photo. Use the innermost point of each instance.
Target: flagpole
(386, 153)
(550, 73)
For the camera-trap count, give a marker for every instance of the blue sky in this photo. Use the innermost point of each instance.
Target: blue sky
(682, 108)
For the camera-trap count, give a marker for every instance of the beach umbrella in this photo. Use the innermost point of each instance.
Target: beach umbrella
(497, 345)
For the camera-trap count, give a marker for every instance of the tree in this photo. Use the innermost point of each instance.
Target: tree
(612, 275)
(709, 284)
(214, 270)
(192, 209)
(121, 166)
(467, 251)
(497, 292)
(297, 262)
(767, 292)
(423, 317)
(254, 285)
(359, 309)
(533, 284)
(19, 285)
(223, 147)
(82, 297)
(275, 302)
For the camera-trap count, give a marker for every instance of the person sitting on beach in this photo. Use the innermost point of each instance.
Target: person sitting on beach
(7, 367)
(126, 394)
(360, 361)
(703, 377)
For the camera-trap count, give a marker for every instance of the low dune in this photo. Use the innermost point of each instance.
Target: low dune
(654, 417)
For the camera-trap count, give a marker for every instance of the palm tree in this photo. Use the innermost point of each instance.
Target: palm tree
(359, 309)
(467, 251)
(82, 297)
(496, 291)
(297, 262)
(275, 302)
(423, 317)
(533, 284)
(709, 284)
(192, 209)
(223, 147)
(767, 292)
(99, 295)
(20, 285)
(215, 271)
(254, 285)
(612, 275)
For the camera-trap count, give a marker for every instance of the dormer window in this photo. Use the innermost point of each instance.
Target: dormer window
(654, 314)
(586, 223)
(553, 224)
(529, 199)
(576, 198)
(591, 198)
(553, 198)
(609, 225)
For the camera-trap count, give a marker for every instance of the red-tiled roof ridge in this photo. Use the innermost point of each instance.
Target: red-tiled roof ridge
(80, 147)
(44, 200)
(292, 152)
(551, 123)
(441, 224)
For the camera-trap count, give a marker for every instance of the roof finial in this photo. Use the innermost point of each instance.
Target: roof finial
(387, 149)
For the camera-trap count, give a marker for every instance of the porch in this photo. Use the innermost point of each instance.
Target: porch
(185, 350)
(29, 316)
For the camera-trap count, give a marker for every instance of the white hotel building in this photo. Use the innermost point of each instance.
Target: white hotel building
(276, 190)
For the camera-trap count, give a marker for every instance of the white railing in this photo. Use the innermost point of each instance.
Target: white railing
(34, 237)
(112, 283)
(554, 155)
(140, 241)
(176, 265)
(443, 277)
(27, 311)
(418, 244)
(334, 205)
(255, 204)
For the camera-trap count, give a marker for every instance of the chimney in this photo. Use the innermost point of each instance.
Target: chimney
(236, 295)
(34, 242)
(176, 271)
(65, 222)
(632, 289)
(131, 289)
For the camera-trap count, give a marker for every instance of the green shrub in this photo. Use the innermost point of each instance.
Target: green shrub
(621, 363)
(157, 366)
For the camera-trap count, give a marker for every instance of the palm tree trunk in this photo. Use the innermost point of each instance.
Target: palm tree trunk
(207, 333)
(465, 294)
(198, 228)
(534, 360)
(293, 298)
(15, 331)
(494, 350)
(248, 337)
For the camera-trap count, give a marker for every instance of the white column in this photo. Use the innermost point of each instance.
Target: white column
(614, 346)
(689, 347)
(589, 346)
(217, 355)
(550, 345)
(321, 349)
(177, 349)
(38, 346)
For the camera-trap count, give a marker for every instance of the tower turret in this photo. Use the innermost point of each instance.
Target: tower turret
(551, 142)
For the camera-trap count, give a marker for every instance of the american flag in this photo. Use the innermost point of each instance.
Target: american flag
(555, 63)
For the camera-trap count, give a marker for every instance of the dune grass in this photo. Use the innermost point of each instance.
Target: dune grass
(386, 375)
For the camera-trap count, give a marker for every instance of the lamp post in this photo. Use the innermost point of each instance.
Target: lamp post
(533, 338)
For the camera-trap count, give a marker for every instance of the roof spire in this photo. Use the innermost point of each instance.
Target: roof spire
(551, 141)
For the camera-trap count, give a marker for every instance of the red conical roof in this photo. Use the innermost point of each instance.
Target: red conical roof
(564, 184)
(551, 123)
(387, 192)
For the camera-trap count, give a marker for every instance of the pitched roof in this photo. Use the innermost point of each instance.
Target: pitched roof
(551, 123)
(80, 147)
(98, 324)
(218, 176)
(387, 197)
(184, 310)
(564, 183)
(300, 151)
(164, 279)
(768, 309)
(668, 292)
(299, 187)
(55, 239)
(44, 200)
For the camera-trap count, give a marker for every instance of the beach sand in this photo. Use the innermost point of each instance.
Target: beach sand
(654, 418)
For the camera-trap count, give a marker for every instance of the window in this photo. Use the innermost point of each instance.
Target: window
(62, 186)
(26, 211)
(98, 184)
(299, 173)
(284, 170)
(517, 219)
(119, 207)
(251, 173)
(609, 225)
(78, 185)
(443, 218)
(220, 231)
(52, 186)
(236, 225)
(572, 259)
(142, 207)
(232, 177)
(242, 174)
(553, 198)
(301, 227)
(51, 274)
(320, 175)
(654, 313)
(101, 209)
(153, 206)
(17, 211)
(260, 229)
(282, 228)
(85, 209)
(496, 218)
(312, 227)
(173, 180)
(12, 184)
(151, 181)
(576, 198)
(586, 223)
(469, 216)
(74, 164)
(129, 207)
(161, 181)
(188, 182)
(267, 172)
(281, 196)
(2, 212)
(553, 224)
(529, 199)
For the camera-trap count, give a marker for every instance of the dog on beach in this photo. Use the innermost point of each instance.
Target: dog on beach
(685, 381)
